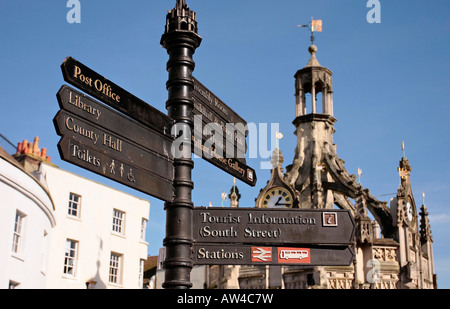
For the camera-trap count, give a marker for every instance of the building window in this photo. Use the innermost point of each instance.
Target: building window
(115, 265)
(141, 274)
(44, 252)
(74, 205)
(143, 228)
(18, 233)
(70, 258)
(118, 225)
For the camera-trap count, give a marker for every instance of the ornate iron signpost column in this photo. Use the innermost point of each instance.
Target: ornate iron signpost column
(181, 40)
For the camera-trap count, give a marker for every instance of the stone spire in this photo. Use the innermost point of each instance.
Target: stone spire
(313, 79)
(317, 173)
(234, 195)
(425, 229)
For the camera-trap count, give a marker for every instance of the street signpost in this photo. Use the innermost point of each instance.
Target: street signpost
(215, 254)
(132, 143)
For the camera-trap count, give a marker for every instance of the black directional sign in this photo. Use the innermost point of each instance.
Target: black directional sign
(227, 151)
(232, 166)
(208, 254)
(212, 108)
(217, 116)
(96, 113)
(108, 142)
(273, 226)
(99, 87)
(86, 156)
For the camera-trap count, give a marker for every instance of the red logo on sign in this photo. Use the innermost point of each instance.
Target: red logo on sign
(261, 254)
(250, 174)
(294, 255)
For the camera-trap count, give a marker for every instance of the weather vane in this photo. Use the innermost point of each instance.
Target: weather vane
(315, 25)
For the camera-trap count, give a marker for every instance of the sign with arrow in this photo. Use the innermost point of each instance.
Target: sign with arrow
(273, 227)
(210, 254)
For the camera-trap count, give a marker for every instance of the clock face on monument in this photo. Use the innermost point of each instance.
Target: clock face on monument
(409, 211)
(277, 197)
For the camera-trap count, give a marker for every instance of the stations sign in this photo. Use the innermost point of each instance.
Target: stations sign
(207, 254)
(272, 227)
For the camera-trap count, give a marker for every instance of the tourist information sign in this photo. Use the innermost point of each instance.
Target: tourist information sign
(277, 227)
(209, 254)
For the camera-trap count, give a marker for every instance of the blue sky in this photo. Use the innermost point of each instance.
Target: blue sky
(390, 83)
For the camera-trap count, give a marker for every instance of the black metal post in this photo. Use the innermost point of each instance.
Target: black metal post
(181, 40)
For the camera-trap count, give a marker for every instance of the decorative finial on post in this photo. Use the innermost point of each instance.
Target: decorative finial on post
(181, 18)
(359, 175)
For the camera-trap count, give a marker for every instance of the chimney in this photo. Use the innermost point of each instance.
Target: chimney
(31, 151)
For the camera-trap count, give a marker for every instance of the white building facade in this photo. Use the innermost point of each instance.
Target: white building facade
(99, 239)
(26, 224)
(59, 230)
